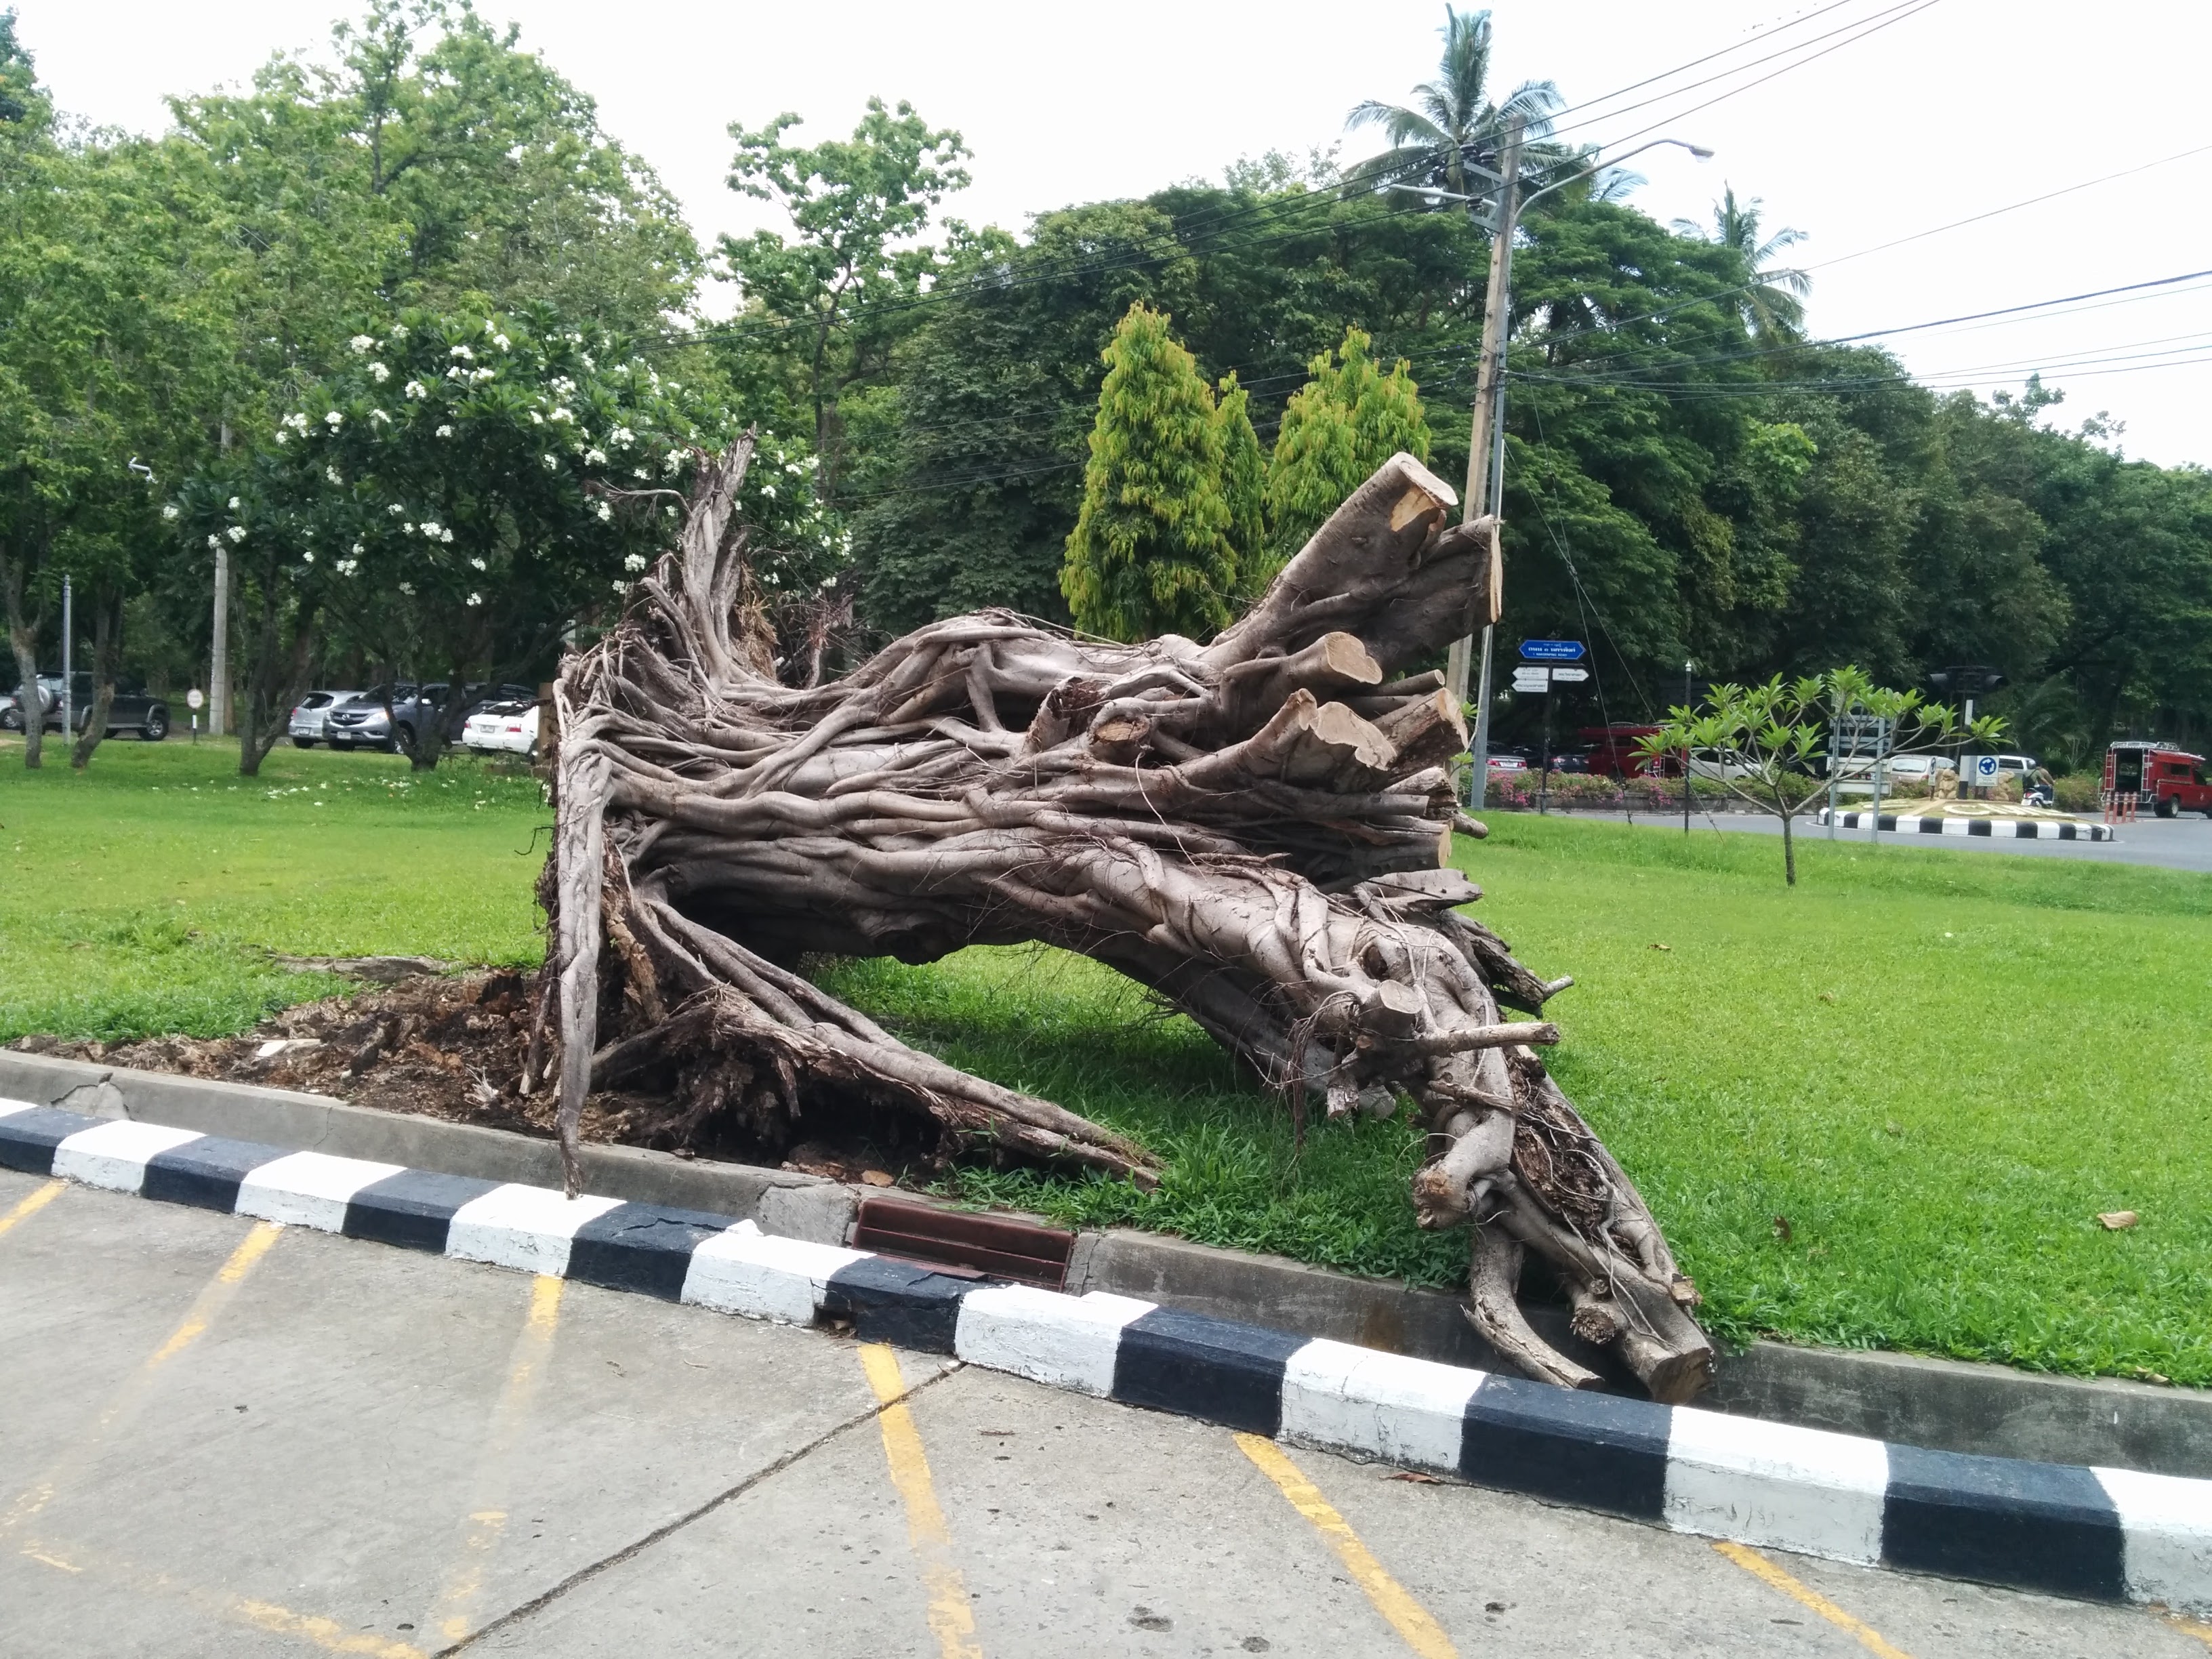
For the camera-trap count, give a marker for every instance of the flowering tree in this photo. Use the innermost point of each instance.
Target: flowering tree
(466, 491)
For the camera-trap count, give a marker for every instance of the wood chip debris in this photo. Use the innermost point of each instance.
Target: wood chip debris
(2115, 1221)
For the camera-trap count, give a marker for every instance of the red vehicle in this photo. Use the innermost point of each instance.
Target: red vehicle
(2156, 772)
(1613, 753)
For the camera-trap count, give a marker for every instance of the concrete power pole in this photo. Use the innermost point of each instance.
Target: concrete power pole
(219, 647)
(1484, 476)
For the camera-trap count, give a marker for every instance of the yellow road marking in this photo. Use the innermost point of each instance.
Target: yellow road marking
(32, 1205)
(951, 1617)
(130, 1394)
(1803, 1594)
(486, 1521)
(1408, 1617)
(2190, 1628)
(325, 1633)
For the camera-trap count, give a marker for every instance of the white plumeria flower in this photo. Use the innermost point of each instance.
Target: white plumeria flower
(634, 562)
(536, 419)
(793, 468)
(308, 554)
(395, 509)
(621, 437)
(415, 389)
(380, 417)
(297, 421)
(358, 548)
(588, 363)
(769, 491)
(475, 598)
(622, 587)
(607, 513)
(640, 473)
(478, 564)
(214, 541)
(463, 353)
(501, 341)
(596, 456)
(562, 413)
(484, 374)
(379, 372)
(552, 463)
(445, 432)
(170, 512)
(361, 342)
(334, 420)
(399, 330)
(407, 529)
(282, 436)
(431, 527)
(447, 534)
(331, 473)
(671, 461)
(408, 588)
(236, 532)
(234, 503)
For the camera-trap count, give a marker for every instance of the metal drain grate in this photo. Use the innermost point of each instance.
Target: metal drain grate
(993, 1246)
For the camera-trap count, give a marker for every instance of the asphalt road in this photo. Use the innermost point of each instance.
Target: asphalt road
(2183, 843)
(225, 1438)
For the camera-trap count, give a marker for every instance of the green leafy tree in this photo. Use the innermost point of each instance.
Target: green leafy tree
(1766, 743)
(1244, 478)
(1151, 553)
(1773, 303)
(826, 304)
(1346, 420)
(1451, 121)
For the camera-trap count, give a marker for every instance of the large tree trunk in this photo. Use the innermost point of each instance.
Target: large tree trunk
(1257, 829)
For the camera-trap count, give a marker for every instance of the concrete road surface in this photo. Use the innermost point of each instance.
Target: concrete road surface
(225, 1438)
(2174, 844)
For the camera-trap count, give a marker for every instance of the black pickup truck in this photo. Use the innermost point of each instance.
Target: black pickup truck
(132, 709)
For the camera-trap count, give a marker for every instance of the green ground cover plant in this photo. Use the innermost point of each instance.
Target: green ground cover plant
(1884, 1109)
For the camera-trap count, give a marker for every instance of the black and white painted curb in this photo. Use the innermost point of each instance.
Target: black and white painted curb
(2098, 1534)
(1929, 824)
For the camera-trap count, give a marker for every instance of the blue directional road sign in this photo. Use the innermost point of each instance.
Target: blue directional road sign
(1551, 650)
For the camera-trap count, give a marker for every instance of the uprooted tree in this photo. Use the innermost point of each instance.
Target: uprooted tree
(1256, 828)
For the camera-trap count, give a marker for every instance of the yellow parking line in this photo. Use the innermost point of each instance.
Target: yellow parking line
(325, 1633)
(126, 1400)
(32, 1203)
(1408, 1617)
(2190, 1628)
(487, 1519)
(951, 1618)
(1803, 1594)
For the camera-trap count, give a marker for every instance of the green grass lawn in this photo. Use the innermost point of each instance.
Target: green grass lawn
(1938, 1068)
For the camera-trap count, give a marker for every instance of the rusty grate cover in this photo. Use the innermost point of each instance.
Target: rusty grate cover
(998, 1246)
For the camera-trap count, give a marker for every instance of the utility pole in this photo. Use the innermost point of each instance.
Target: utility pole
(1484, 479)
(219, 648)
(69, 678)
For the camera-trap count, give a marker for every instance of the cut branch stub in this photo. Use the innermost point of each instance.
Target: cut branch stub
(1258, 829)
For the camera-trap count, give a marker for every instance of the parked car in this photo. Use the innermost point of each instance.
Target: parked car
(310, 714)
(509, 727)
(131, 709)
(1503, 761)
(364, 722)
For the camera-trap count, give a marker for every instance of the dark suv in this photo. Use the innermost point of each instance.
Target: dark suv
(362, 723)
(131, 710)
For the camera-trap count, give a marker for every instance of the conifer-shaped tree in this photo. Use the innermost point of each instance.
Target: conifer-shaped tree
(1151, 552)
(1346, 422)
(1243, 480)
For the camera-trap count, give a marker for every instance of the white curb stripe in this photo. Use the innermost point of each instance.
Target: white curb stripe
(115, 1155)
(1382, 1404)
(762, 1275)
(1759, 1482)
(527, 1228)
(1065, 1341)
(2167, 1522)
(9, 1107)
(309, 1190)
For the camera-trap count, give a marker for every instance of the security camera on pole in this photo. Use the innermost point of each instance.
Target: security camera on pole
(1485, 448)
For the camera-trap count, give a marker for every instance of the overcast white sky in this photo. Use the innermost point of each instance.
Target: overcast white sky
(1966, 106)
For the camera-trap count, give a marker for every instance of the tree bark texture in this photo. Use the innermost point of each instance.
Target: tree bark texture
(1257, 829)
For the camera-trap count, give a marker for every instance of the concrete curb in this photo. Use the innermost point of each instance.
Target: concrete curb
(1949, 1405)
(1924, 823)
(2092, 1533)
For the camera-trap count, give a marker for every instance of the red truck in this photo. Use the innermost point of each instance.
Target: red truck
(2172, 779)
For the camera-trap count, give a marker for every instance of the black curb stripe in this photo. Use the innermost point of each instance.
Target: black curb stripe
(205, 1173)
(1931, 826)
(1595, 1451)
(2047, 1527)
(413, 1209)
(1977, 826)
(1213, 1369)
(27, 1140)
(898, 1303)
(641, 1247)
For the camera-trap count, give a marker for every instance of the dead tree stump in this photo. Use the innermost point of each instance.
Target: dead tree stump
(1258, 829)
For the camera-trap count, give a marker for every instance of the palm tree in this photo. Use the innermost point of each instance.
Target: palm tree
(1451, 121)
(1773, 303)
